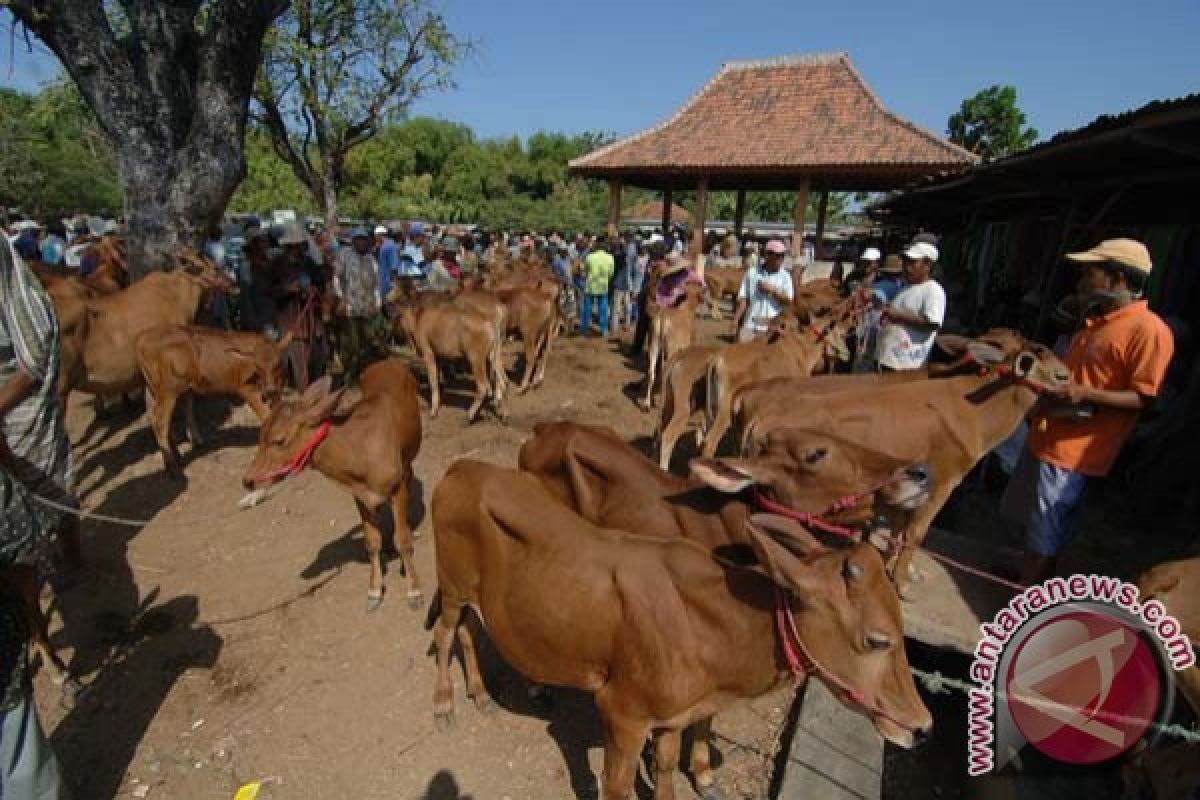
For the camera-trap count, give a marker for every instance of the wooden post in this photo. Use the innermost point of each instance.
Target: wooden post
(698, 221)
(822, 207)
(668, 199)
(614, 206)
(798, 222)
(739, 213)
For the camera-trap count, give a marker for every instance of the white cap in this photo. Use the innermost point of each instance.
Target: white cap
(871, 254)
(380, 230)
(921, 250)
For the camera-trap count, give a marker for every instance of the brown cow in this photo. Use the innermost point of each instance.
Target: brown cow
(684, 392)
(721, 282)
(98, 355)
(186, 360)
(671, 330)
(765, 405)
(949, 423)
(373, 435)
(1176, 584)
(533, 316)
(445, 330)
(661, 632)
(609, 482)
(813, 300)
(784, 352)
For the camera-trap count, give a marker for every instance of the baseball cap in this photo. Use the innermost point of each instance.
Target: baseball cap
(359, 233)
(871, 254)
(918, 250)
(1127, 252)
(380, 230)
(416, 228)
(776, 246)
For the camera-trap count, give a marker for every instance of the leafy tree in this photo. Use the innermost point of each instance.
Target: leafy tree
(169, 83)
(336, 72)
(990, 125)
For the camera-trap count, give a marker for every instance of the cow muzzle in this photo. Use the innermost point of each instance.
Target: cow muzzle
(910, 487)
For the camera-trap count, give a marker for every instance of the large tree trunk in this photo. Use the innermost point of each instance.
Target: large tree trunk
(171, 95)
(329, 201)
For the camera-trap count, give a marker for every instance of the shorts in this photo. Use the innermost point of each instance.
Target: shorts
(1046, 499)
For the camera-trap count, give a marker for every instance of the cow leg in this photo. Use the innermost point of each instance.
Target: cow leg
(651, 368)
(623, 740)
(431, 372)
(531, 355)
(483, 384)
(475, 688)
(25, 580)
(544, 353)
(500, 381)
(914, 533)
(712, 439)
(374, 540)
(189, 420)
(162, 408)
(666, 761)
(675, 413)
(443, 638)
(253, 399)
(702, 772)
(402, 540)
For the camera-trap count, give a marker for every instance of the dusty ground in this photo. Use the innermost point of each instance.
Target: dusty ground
(224, 646)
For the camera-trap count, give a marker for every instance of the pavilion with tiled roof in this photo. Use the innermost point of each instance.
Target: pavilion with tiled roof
(801, 123)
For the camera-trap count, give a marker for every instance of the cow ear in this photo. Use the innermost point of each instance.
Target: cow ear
(725, 475)
(783, 566)
(985, 354)
(283, 343)
(791, 534)
(334, 405)
(317, 392)
(238, 354)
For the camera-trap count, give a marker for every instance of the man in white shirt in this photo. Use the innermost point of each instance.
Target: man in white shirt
(765, 292)
(911, 321)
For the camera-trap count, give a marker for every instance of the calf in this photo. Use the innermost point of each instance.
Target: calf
(684, 388)
(533, 316)
(722, 282)
(602, 477)
(661, 632)
(449, 331)
(949, 423)
(671, 330)
(186, 360)
(363, 439)
(785, 352)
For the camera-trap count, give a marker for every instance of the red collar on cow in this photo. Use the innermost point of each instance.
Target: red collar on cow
(302, 458)
(808, 519)
(801, 663)
(1005, 371)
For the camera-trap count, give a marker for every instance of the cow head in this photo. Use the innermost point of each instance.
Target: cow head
(848, 620)
(203, 271)
(810, 471)
(292, 426)
(266, 363)
(1007, 353)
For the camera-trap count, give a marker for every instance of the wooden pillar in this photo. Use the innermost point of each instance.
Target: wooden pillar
(700, 217)
(739, 213)
(822, 207)
(798, 221)
(614, 206)
(668, 199)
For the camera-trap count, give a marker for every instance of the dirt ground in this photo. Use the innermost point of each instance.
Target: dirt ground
(224, 646)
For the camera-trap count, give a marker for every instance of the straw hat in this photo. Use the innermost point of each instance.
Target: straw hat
(1126, 252)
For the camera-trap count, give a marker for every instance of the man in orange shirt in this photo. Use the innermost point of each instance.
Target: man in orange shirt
(1117, 362)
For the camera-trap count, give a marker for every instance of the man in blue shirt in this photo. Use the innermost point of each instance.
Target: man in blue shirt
(412, 259)
(387, 252)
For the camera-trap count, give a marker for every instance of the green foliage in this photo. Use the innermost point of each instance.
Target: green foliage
(990, 125)
(53, 157)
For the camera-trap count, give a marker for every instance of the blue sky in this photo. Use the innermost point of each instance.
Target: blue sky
(621, 65)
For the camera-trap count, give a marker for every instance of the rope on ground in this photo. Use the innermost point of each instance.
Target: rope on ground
(129, 522)
(307, 591)
(937, 683)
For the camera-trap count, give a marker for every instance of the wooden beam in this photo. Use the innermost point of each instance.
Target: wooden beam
(739, 213)
(668, 199)
(822, 207)
(614, 206)
(798, 221)
(698, 222)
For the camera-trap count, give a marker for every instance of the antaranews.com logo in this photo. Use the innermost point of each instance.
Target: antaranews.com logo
(1077, 667)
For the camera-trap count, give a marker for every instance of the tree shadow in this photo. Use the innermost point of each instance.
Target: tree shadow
(150, 649)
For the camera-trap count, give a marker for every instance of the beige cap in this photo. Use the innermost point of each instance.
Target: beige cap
(1128, 252)
(293, 234)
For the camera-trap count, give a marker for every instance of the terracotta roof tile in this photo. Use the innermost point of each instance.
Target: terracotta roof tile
(805, 112)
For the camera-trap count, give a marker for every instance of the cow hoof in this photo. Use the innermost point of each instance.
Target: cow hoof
(483, 703)
(444, 720)
(374, 601)
(712, 793)
(416, 600)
